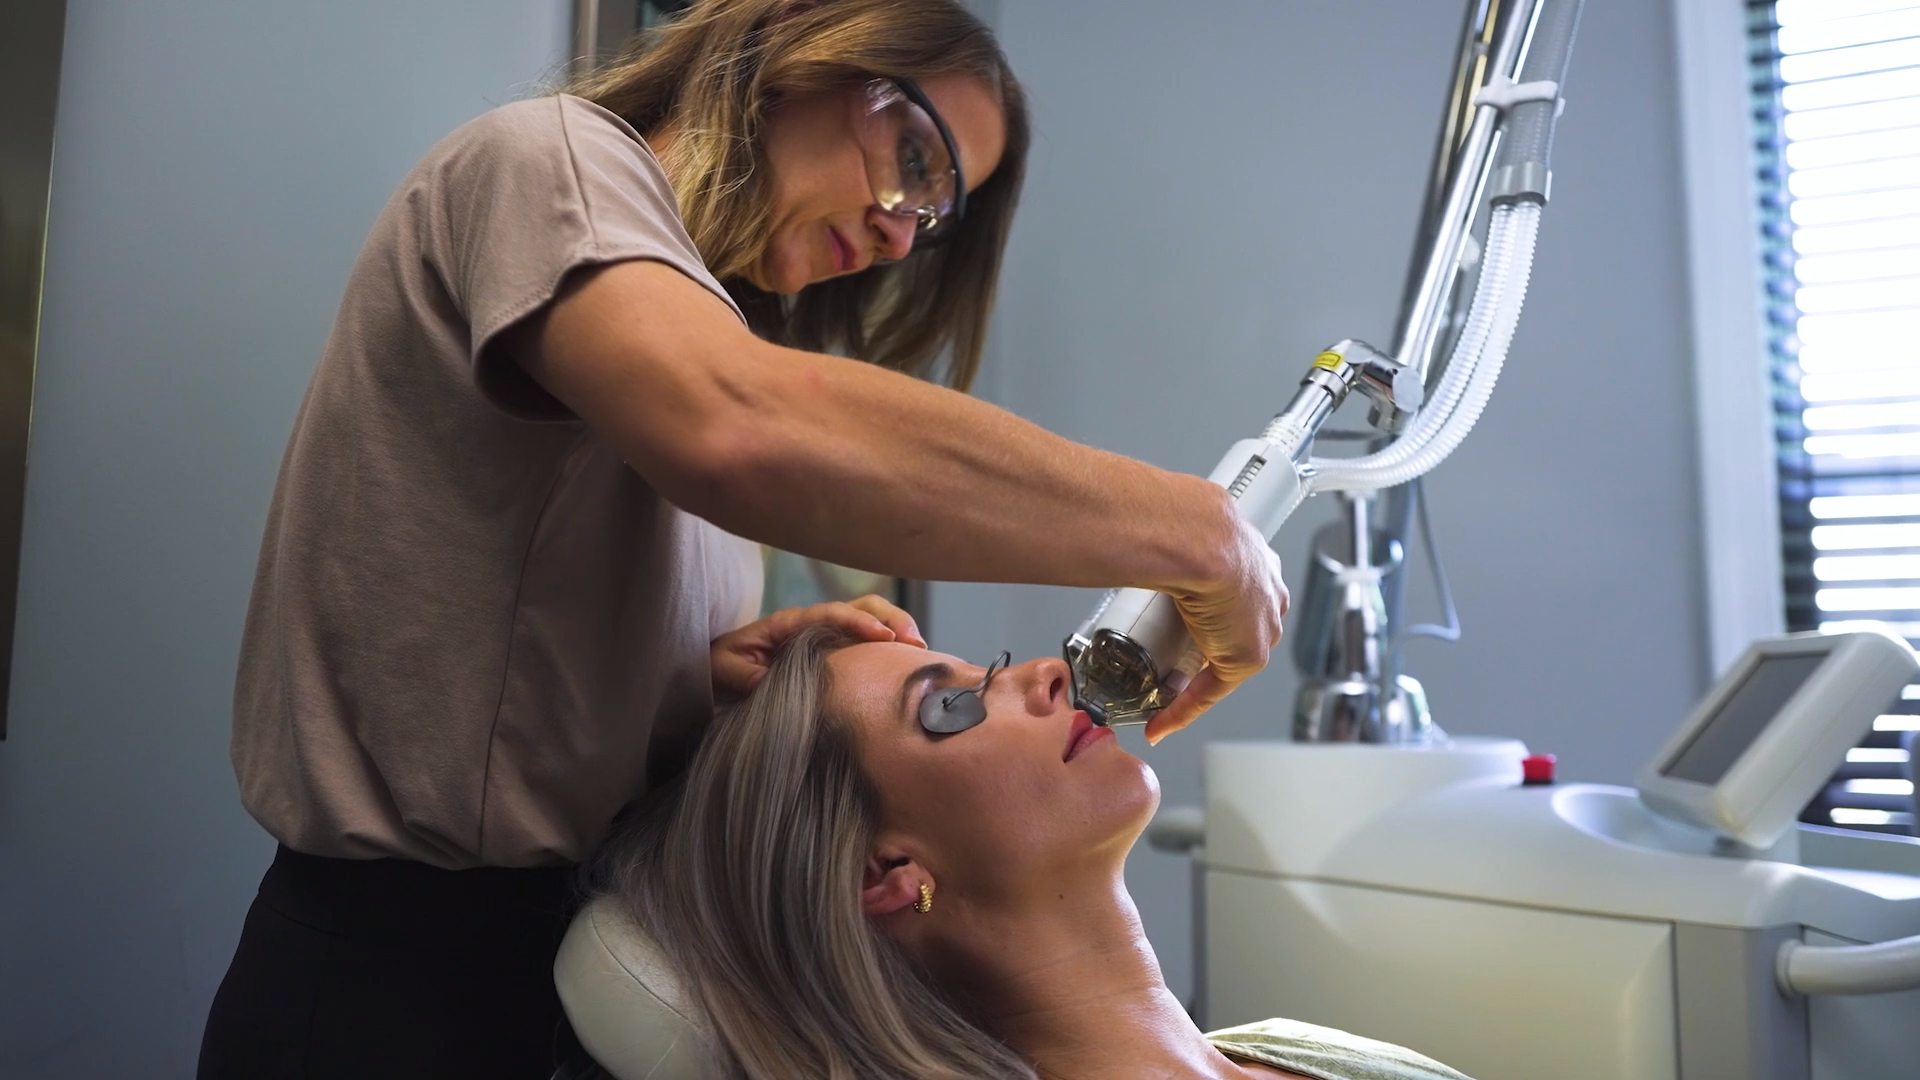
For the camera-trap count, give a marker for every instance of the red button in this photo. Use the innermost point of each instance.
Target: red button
(1537, 769)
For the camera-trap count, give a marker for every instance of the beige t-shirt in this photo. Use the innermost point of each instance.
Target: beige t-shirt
(475, 632)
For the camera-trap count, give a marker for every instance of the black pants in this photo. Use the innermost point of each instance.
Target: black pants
(362, 970)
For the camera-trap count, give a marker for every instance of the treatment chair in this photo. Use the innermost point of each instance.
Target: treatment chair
(626, 1007)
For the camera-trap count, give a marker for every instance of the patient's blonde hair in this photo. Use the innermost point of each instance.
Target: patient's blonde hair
(748, 874)
(716, 70)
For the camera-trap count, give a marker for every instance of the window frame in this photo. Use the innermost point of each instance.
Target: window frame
(1733, 391)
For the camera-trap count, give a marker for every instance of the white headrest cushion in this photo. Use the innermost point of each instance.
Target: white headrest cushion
(625, 1003)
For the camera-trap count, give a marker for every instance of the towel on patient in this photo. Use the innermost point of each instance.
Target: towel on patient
(1326, 1053)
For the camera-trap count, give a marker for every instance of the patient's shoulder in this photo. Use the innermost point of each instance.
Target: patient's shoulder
(1327, 1053)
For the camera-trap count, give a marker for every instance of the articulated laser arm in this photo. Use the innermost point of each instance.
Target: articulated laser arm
(1133, 653)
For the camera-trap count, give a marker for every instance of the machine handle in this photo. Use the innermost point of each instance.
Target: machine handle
(1880, 968)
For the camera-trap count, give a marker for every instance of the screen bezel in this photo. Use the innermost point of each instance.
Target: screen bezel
(1724, 706)
(1762, 792)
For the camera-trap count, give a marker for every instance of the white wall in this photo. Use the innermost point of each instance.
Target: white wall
(1220, 189)
(218, 163)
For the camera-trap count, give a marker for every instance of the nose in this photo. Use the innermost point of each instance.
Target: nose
(1044, 683)
(892, 232)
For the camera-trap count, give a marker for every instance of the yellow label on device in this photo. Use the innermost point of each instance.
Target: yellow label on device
(1329, 360)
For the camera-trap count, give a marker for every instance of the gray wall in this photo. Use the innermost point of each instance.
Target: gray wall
(218, 164)
(1220, 189)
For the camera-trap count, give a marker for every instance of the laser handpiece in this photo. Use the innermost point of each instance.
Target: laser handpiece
(1116, 677)
(1133, 654)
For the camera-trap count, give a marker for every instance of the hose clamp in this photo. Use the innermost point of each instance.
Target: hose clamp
(1503, 93)
(1520, 180)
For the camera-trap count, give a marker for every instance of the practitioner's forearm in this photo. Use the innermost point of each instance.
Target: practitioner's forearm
(850, 463)
(868, 468)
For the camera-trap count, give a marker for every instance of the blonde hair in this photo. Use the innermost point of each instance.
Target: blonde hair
(716, 69)
(748, 873)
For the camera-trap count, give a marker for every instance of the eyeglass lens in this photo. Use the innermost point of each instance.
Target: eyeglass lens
(908, 166)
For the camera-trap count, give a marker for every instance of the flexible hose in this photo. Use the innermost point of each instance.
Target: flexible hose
(1527, 135)
(1495, 272)
(1850, 969)
(1399, 463)
(1455, 406)
(1472, 372)
(1466, 354)
(1468, 347)
(1525, 218)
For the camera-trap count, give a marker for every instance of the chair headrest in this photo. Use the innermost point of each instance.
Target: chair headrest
(625, 1003)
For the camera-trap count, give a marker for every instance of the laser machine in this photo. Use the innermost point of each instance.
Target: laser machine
(1687, 928)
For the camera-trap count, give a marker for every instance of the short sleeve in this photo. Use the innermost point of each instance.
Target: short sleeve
(525, 195)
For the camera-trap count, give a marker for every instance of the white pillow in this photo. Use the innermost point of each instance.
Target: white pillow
(624, 1002)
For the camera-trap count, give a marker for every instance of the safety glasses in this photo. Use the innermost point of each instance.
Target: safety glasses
(913, 166)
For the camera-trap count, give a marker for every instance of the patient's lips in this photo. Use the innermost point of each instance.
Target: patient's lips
(1083, 734)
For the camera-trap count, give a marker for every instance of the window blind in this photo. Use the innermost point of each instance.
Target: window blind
(1837, 121)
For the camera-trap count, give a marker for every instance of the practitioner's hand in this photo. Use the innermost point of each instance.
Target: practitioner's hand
(1236, 622)
(740, 657)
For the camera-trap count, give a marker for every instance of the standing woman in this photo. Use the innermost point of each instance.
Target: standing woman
(594, 340)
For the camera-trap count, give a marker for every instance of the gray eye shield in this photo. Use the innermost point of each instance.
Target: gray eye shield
(945, 711)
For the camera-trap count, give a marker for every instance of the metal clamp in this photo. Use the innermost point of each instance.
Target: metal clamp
(1394, 388)
(1523, 179)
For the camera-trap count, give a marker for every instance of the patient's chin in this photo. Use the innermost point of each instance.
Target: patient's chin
(1127, 805)
(1148, 800)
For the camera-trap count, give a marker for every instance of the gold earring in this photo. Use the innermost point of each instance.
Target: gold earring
(925, 903)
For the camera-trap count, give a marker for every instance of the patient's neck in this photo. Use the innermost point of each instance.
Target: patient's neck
(1070, 982)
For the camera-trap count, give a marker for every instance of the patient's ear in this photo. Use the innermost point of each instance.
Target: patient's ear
(891, 883)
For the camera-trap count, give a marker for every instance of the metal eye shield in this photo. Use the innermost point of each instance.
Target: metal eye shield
(944, 712)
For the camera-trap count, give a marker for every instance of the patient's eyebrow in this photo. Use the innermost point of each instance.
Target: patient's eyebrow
(920, 674)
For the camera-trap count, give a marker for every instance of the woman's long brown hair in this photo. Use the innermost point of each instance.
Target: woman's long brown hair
(715, 71)
(747, 873)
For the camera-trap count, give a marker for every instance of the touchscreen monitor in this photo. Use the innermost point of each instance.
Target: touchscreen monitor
(1769, 734)
(1721, 740)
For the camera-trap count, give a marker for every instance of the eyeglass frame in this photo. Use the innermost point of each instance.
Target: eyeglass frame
(912, 92)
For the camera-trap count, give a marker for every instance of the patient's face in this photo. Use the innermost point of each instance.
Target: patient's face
(1004, 807)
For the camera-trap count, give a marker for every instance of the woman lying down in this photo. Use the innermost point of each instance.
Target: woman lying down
(886, 862)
